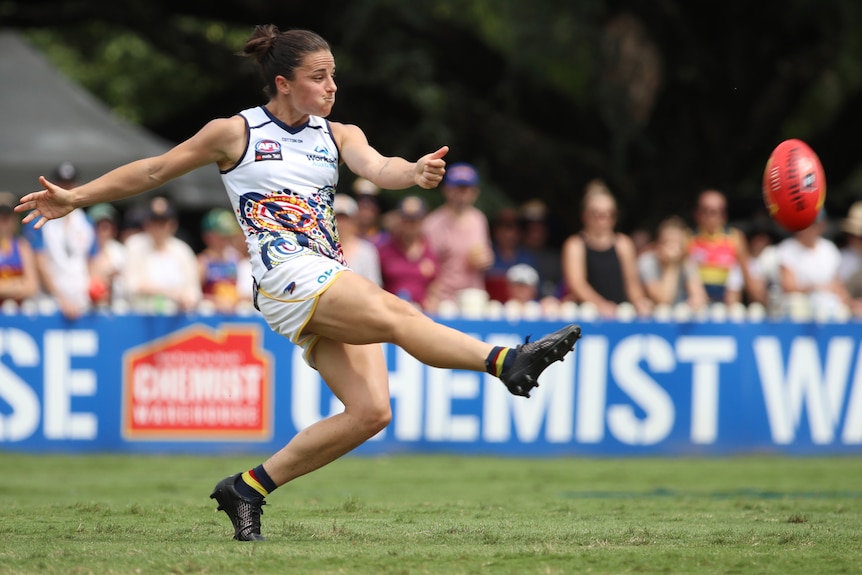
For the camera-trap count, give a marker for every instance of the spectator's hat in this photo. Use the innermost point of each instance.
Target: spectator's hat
(412, 208)
(220, 221)
(363, 188)
(102, 211)
(852, 224)
(161, 210)
(534, 210)
(461, 174)
(523, 274)
(7, 203)
(344, 205)
(66, 172)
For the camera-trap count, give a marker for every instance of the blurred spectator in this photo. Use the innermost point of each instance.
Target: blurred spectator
(536, 239)
(106, 265)
(643, 240)
(360, 253)
(668, 275)
(599, 263)
(720, 252)
(63, 249)
(407, 264)
(508, 251)
(809, 265)
(163, 273)
(134, 219)
(458, 234)
(764, 269)
(19, 277)
(368, 216)
(244, 278)
(522, 283)
(850, 269)
(217, 262)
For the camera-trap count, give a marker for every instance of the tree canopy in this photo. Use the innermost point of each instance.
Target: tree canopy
(660, 99)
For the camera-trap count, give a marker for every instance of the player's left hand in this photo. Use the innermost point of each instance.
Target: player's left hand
(51, 203)
(430, 169)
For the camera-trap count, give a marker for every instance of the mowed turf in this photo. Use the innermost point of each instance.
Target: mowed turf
(437, 514)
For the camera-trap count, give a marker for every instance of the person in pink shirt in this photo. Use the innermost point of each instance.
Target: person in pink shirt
(407, 263)
(458, 233)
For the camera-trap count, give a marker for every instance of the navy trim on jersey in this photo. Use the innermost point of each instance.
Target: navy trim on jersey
(332, 137)
(284, 126)
(247, 144)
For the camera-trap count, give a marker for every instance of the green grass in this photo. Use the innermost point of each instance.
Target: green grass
(437, 514)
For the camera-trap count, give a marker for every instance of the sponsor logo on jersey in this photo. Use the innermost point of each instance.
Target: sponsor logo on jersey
(322, 158)
(267, 150)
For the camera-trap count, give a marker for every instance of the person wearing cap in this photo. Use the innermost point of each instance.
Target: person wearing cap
(809, 265)
(219, 260)
(850, 268)
(407, 263)
(19, 277)
(368, 214)
(63, 250)
(359, 253)
(106, 265)
(458, 233)
(164, 276)
(522, 283)
(279, 163)
(508, 251)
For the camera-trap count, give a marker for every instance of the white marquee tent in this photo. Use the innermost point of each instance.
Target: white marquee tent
(46, 119)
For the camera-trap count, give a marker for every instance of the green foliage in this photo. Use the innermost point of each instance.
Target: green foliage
(437, 514)
(139, 81)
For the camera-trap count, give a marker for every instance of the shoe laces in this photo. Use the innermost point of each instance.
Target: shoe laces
(248, 515)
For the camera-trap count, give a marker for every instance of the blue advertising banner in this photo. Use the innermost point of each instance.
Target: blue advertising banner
(227, 384)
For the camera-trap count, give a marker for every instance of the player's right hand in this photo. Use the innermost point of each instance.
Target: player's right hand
(51, 203)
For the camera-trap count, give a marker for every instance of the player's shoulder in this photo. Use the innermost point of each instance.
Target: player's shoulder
(342, 130)
(232, 124)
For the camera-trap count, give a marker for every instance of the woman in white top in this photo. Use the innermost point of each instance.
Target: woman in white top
(809, 266)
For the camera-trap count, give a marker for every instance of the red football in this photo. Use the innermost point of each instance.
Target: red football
(794, 185)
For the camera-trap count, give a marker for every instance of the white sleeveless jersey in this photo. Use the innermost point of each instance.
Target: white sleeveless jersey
(282, 188)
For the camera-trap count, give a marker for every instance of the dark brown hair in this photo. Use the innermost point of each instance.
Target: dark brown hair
(280, 53)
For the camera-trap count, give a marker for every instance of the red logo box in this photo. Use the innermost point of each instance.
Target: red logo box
(199, 384)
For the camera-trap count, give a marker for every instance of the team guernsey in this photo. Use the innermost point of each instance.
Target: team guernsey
(282, 189)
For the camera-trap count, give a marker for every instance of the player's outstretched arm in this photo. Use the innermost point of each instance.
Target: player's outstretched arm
(391, 173)
(212, 144)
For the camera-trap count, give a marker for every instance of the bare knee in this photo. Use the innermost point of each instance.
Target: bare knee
(373, 418)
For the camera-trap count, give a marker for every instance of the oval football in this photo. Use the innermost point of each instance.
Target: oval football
(794, 185)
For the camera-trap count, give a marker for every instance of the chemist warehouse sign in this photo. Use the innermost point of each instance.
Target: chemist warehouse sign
(209, 385)
(198, 383)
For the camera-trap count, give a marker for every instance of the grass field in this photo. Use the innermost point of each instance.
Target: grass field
(437, 514)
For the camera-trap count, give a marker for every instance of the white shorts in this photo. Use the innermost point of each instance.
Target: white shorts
(287, 296)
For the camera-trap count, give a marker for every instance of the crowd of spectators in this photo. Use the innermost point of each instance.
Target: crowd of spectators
(451, 260)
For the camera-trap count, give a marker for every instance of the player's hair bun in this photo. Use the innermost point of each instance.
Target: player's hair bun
(261, 42)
